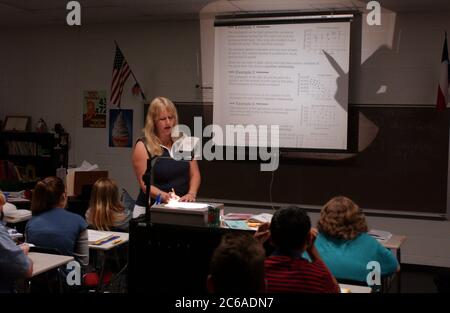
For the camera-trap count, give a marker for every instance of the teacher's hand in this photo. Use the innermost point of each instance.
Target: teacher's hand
(167, 196)
(188, 198)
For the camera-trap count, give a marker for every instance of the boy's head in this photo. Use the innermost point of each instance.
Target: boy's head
(237, 265)
(289, 229)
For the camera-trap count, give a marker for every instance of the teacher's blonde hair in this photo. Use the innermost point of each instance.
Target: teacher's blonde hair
(157, 105)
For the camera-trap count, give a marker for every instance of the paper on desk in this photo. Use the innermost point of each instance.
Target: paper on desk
(237, 216)
(261, 218)
(381, 235)
(237, 225)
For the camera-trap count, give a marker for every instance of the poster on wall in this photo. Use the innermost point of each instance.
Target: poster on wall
(94, 109)
(120, 128)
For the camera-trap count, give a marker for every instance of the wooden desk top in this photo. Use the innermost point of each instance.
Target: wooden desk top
(43, 262)
(123, 238)
(394, 242)
(354, 289)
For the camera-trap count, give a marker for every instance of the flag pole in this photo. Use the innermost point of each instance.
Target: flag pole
(134, 77)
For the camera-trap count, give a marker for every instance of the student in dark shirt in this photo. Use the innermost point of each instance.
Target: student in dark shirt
(51, 226)
(237, 265)
(286, 270)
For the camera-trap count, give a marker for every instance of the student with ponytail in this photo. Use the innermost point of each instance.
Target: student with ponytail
(51, 226)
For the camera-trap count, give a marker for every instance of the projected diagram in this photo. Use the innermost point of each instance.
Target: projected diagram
(331, 40)
(316, 87)
(319, 116)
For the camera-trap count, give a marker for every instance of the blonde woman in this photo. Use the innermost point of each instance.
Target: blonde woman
(106, 212)
(169, 175)
(344, 244)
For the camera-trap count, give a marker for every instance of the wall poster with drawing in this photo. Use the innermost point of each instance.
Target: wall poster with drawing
(94, 109)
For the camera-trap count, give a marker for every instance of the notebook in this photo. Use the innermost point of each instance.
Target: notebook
(95, 236)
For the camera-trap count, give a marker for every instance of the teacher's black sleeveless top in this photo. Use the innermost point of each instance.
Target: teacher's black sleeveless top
(168, 173)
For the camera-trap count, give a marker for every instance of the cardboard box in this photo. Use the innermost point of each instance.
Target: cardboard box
(77, 179)
(162, 214)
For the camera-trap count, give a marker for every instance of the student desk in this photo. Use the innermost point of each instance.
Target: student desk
(43, 262)
(395, 243)
(102, 251)
(345, 288)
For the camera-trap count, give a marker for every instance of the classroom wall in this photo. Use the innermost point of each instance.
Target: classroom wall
(46, 69)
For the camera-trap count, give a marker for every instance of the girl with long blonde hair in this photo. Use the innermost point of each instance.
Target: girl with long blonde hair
(106, 212)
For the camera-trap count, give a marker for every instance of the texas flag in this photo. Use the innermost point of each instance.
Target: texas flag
(442, 97)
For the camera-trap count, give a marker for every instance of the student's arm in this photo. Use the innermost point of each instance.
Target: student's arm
(81, 252)
(26, 249)
(194, 182)
(388, 261)
(315, 257)
(13, 260)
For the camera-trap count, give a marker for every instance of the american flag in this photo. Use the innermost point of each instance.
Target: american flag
(121, 72)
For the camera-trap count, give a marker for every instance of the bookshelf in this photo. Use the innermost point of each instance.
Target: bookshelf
(35, 155)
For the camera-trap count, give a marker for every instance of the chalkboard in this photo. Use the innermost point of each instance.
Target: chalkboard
(403, 169)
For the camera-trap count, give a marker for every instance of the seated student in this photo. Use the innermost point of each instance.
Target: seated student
(237, 265)
(286, 270)
(51, 226)
(14, 263)
(106, 212)
(344, 244)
